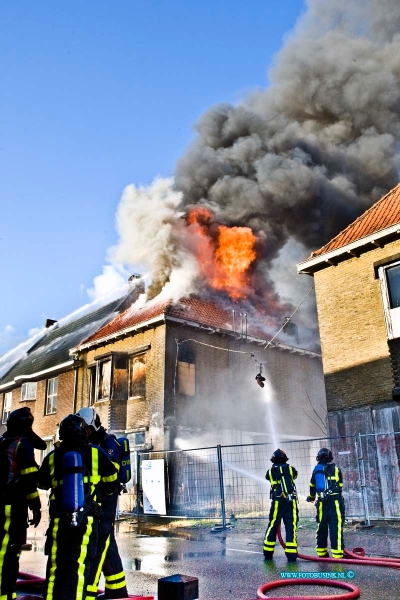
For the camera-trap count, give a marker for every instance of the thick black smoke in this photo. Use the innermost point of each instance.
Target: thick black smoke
(304, 158)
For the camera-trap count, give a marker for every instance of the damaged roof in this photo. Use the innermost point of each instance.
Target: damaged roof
(193, 311)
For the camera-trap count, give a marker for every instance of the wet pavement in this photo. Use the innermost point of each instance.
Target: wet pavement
(230, 565)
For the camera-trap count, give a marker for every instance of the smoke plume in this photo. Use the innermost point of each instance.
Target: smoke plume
(295, 163)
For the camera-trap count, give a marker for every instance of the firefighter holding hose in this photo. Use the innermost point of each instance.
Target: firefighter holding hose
(79, 476)
(326, 488)
(283, 507)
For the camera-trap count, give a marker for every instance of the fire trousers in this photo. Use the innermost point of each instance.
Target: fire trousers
(286, 511)
(107, 560)
(13, 520)
(71, 552)
(330, 515)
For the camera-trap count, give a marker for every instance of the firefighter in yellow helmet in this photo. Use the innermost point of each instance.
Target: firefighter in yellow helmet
(77, 472)
(18, 492)
(283, 506)
(326, 484)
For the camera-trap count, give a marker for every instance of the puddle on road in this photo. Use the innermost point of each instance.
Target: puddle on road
(154, 563)
(148, 531)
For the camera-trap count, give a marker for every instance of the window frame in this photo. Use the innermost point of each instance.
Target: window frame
(98, 373)
(28, 383)
(3, 412)
(131, 359)
(52, 395)
(92, 372)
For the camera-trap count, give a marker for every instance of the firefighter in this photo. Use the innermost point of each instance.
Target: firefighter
(326, 484)
(283, 507)
(18, 492)
(108, 559)
(71, 539)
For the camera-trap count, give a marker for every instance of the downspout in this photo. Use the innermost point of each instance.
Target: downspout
(75, 390)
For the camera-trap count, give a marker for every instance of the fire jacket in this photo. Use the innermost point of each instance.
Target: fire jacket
(334, 479)
(100, 475)
(281, 478)
(21, 488)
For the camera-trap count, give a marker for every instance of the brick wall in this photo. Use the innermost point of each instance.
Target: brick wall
(46, 425)
(228, 397)
(353, 331)
(140, 413)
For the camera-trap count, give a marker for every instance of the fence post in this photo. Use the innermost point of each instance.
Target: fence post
(221, 485)
(361, 472)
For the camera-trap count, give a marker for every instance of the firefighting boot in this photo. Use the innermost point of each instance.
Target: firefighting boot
(268, 555)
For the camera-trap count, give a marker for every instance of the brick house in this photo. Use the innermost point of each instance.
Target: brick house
(44, 376)
(183, 375)
(357, 284)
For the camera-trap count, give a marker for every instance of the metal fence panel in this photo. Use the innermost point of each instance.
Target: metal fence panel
(194, 485)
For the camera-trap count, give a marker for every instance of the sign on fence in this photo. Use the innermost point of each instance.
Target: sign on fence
(153, 487)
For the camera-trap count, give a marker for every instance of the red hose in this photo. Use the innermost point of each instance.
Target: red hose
(355, 559)
(353, 590)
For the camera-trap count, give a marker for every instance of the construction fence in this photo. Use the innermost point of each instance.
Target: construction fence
(225, 482)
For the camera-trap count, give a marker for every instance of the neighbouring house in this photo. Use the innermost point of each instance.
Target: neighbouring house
(357, 284)
(43, 375)
(174, 375)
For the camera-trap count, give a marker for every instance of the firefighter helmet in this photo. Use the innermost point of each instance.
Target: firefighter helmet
(73, 427)
(324, 455)
(19, 423)
(90, 416)
(279, 457)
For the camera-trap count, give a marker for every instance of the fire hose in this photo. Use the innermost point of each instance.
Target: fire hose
(355, 558)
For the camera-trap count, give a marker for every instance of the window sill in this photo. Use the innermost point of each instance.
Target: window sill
(48, 414)
(28, 400)
(137, 398)
(101, 401)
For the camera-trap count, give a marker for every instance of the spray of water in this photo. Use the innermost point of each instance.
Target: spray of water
(271, 410)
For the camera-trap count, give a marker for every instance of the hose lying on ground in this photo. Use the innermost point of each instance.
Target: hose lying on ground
(352, 590)
(356, 558)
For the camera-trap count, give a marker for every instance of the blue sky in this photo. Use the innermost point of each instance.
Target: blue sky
(94, 96)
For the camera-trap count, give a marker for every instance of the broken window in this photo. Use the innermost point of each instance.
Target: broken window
(186, 372)
(104, 380)
(137, 375)
(92, 385)
(28, 391)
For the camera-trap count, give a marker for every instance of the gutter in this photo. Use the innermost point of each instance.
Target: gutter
(118, 334)
(307, 267)
(21, 378)
(250, 338)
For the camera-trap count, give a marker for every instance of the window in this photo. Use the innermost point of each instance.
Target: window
(186, 378)
(393, 283)
(104, 380)
(51, 397)
(140, 438)
(28, 391)
(92, 385)
(42, 453)
(6, 406)
(137, 373)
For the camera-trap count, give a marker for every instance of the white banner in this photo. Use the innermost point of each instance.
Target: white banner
(153, 487)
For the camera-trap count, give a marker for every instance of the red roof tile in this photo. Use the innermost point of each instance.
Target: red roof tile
(382, 214)
(193, 310)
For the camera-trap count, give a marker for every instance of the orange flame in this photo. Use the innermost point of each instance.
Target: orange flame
(225, 257)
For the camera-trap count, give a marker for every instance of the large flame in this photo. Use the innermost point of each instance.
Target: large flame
(224, 254)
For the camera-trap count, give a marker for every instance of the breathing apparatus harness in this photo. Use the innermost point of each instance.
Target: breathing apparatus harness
(325, 484)
(282, 486)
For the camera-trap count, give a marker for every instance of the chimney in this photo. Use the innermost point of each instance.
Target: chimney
(50, 322)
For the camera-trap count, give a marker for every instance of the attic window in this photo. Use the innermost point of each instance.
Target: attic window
(28, 391)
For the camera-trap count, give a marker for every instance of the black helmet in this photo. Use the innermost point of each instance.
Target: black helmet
(279, 457)
(73, 427)
(324, 455)
(19, 423)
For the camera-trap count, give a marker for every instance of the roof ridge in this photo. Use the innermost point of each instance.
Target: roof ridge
(361, 217)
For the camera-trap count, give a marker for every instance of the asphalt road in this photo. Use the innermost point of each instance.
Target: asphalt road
(230, 565)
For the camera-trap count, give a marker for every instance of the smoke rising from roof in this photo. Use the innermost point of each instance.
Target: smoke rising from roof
(296, 163)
